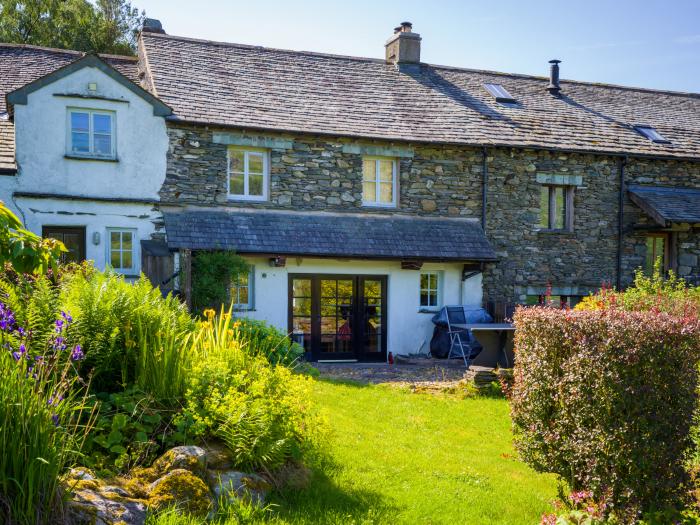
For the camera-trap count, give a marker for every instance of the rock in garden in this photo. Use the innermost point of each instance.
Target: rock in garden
(95, 508)
(233, 484)
(190, 458)
(182, 489)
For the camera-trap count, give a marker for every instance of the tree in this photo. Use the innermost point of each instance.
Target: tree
(108, 26)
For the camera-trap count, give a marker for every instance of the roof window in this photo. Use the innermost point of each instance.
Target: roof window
(499, 93)
(651, 133)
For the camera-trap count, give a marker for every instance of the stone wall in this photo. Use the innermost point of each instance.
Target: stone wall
(317, 173)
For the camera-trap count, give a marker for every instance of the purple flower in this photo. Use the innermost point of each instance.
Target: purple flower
(59, 344)
(67, 317)
(19, 353)
(77, 353)
(59, 326)
(54, 418)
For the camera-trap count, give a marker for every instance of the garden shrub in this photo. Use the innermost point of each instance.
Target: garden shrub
(262, 412)
(605, 399)
(212, 275)
(126, 331)
(260, 338)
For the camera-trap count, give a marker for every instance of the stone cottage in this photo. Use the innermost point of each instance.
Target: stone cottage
(365, 194)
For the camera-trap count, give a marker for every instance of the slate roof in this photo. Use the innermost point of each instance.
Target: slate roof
(21, 64)
(668, 205)
(328, 235)
(260, 88)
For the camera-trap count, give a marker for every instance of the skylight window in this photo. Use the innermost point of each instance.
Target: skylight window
(499, 93)
(651, 133)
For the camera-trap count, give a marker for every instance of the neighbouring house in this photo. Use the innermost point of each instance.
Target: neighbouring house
(365, 194)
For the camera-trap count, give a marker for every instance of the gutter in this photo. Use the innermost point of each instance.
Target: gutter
(484, 187)
(620, 218)
(61, 196)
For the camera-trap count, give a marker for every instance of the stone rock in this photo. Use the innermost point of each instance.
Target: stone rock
(284, 200)
(190, 458)
(180, 488)
(218, 457)
(428, 205)
(81, 474)
(230, 484)
(95, 508)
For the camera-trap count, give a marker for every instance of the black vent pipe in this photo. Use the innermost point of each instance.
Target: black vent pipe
(622, 161)
(554, 88)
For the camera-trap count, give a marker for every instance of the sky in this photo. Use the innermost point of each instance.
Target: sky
(644, 43)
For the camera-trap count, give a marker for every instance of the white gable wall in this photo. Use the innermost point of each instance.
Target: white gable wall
(42, 141)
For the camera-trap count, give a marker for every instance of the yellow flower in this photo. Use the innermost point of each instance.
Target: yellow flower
(209, 313)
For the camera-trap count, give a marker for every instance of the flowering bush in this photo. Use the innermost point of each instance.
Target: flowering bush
(605, 398)
(261, 411)
(41, 401)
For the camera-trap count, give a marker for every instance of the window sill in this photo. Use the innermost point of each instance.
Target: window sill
(548, 231)
(428, 309)
(88, 157)
(243, 310)
(374, 205)
(243, 198)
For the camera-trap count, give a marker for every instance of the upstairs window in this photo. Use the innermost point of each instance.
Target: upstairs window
(91, 133)
(121, 248)
(651, 133)
(557, 208)
(242, 290)
(248, 174)
(379, 182)
(499, 93)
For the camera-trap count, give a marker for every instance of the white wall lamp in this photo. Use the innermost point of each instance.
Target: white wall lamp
(96, 238)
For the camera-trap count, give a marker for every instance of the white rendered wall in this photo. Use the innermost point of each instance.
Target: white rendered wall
(96, 217)
(408, 329)
(41, 142)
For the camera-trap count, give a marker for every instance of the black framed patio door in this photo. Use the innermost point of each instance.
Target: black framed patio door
(339, 317)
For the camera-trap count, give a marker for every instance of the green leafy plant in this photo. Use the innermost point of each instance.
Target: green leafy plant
(212, 275)
(25, 251)
(260, 338)
(605, 399)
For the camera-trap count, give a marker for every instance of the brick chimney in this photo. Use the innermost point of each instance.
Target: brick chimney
(403, 48)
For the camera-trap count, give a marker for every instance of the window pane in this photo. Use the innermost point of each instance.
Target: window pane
(255, 162)
(560, 213)
(369, 170)
(301, 307)
(237, 184)
(369, 191)
(255, 185)
(301, 287)
(544, 206)
(101, 123)
(432, 298)
(386, 193)
(126, 259)
(114, 240)
(425, 281)
(126, 240)
(235, 161)
(243, 295)
(80, 122)
(81, 142)
(103, 144)
(386, 170)
(115, 260)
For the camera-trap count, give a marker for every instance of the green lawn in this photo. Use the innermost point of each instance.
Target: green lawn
(399, 457)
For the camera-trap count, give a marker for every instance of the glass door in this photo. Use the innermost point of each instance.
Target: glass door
(338, 317)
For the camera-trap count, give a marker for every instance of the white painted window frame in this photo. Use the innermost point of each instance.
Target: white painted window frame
(246, 175)
(394, 182)
(134, 270)
(235, 289)
(91, 133)
(439, 277)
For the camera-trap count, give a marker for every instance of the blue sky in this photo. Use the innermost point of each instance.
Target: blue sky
(647, 43)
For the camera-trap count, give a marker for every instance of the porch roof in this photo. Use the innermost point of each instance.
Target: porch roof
(668, 205)
(329, 235)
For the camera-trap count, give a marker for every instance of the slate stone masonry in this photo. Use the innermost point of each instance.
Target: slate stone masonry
(319, 173)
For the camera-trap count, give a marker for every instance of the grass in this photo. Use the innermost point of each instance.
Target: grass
(399, 457)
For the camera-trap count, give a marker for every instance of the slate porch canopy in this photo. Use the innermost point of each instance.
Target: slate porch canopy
(668, 205)
(328, 235)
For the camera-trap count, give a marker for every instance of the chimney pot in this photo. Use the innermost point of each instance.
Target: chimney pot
(151, 25)
(403, 48)
(554, 88)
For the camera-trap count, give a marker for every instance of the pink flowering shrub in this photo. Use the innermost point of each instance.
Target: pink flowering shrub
(605, 399)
